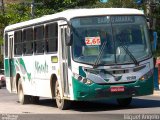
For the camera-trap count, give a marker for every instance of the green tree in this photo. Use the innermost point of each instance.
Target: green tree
(155, 13)
(17, 12)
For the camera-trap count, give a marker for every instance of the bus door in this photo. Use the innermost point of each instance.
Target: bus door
(11, 61)
(64, 65)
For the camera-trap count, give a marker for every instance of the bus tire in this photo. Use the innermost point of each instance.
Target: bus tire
(23, 99)
(124, 101)
(61, 103)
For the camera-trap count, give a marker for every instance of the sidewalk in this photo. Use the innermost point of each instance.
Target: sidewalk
(156, 93)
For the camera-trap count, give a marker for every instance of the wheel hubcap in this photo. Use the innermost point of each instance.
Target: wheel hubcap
(58, 98)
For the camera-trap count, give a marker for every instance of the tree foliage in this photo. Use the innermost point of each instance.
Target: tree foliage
(17, 12)
(21, 11)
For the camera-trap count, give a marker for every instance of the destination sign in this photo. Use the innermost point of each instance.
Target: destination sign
(122, 19)
(106, 20)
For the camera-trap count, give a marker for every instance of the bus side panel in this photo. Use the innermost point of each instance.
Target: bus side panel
(43, 69)
(70, 74)
(24, 66)
(7, 74)
(74, 69)
(10, 73)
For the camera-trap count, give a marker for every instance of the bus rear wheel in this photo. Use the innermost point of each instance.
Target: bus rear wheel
(61, 103)
(124, 101)
(23, 99)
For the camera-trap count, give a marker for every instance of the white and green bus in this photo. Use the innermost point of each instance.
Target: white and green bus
(80, 55)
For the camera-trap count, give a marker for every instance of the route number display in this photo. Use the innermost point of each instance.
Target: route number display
(92, 41)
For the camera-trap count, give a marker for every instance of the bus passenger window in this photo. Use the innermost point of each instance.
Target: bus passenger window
(6, 45)
(39, 39)
(28, 41)
(51, 37)
(24, 48)
(18, 43)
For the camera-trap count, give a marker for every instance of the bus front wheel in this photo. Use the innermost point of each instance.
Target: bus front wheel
(61, 103)
(23, 99)
(124, 101)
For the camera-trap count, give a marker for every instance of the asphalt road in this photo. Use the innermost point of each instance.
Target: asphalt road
(11, 109)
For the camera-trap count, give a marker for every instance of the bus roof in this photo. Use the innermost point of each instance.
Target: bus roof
(68, 14)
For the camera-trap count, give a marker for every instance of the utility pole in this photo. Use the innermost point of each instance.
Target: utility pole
(1, 32)
(148, 7)
(151, 6)
(32, 6)
(2, 6)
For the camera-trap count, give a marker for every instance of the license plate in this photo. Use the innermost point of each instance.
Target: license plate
(117, 89)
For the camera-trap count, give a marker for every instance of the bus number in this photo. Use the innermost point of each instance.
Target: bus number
(131, 78)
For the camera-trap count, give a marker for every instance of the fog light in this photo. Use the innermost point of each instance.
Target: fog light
(89, 82)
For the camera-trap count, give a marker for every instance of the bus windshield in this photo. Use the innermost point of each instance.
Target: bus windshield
(110, 39)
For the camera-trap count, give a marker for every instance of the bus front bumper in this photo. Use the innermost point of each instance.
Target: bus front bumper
(95, 91)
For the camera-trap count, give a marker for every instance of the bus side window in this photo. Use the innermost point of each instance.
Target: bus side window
(6, 45)
(46, 39)
(23, 41)
(51, 37)
(28, 41)
(18, 43)
(39, 39)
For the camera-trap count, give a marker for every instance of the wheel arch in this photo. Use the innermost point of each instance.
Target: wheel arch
(17, 79)
(53, 80)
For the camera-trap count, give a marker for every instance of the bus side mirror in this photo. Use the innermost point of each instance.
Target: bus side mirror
(68, 37)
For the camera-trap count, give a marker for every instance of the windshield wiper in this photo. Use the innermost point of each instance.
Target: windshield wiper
(130, 55)
(100, 55)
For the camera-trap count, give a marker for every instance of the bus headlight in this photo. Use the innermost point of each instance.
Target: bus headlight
(146, 76)
(82, 79)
